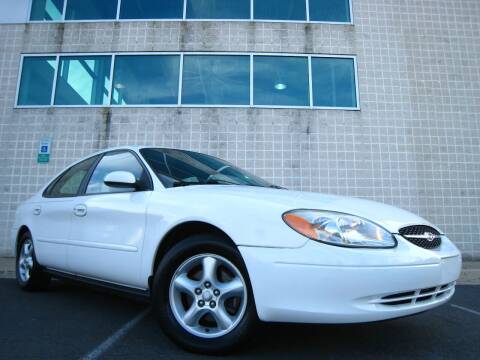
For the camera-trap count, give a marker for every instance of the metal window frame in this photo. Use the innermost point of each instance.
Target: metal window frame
(19, 80)
(184, 17)
(180, 85)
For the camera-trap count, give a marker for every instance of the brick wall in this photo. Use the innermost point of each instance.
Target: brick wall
(415, 143)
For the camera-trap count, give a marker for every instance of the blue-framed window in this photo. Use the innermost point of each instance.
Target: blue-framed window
(330, 11)
(145, 80)
(36, 81)
(280, 81)
(290, 10)
(218, 9)
(83, 80)
(216, 80)
(189, 79)
(47, 10)
(148, 9)
(91, 10)
(333, 82)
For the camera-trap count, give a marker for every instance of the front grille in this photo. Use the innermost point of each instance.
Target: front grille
(422, 235)
(419, 296)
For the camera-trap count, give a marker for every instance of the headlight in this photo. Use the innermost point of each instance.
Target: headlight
(339, 229)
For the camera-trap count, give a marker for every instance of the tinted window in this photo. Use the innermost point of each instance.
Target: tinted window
(216, 80)
(330, 10)
(151, 9)
(46, 10)
(334, 82)
(146, 80)
(83, 80)
(218, 9)
(115, 161)
(280, 80)
(181, 168)
(91, 9)
(280, 10)
(36, 80)
(69, 182)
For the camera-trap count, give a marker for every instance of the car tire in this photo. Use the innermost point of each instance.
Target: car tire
(30, 275)
(209, 330)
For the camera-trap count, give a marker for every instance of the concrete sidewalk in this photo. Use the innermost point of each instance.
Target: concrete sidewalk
(470, 272)
(7, 268)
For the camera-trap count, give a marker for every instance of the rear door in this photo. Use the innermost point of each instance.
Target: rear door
(108, 225)
(51, 217)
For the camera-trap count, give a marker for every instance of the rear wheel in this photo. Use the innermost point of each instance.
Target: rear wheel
(202, 295)
(29, 273)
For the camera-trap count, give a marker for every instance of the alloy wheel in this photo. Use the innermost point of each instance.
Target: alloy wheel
(208, 295)
(25, 260)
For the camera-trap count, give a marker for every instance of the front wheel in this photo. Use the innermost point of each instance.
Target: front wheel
(202, 295)
(29, 273)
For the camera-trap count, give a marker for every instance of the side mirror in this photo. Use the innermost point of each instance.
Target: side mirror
(121, 179)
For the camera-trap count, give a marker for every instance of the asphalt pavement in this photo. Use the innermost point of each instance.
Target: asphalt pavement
(71, 321)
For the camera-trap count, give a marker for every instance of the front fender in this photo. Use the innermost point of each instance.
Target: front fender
(244, 223)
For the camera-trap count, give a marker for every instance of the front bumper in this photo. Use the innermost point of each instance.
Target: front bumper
(318, 283)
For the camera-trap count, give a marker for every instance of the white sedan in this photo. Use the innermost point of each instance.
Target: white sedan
(217, 248)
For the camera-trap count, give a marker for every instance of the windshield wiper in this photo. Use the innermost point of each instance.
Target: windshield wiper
(277, 187)
(179, 183)
(220, 182)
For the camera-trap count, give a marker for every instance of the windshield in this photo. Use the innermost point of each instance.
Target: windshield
(182, 168)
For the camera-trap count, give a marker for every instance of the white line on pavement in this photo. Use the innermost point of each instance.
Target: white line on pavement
(465, 309)
(117, 335)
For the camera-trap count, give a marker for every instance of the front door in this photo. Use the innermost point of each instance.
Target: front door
(108, 224)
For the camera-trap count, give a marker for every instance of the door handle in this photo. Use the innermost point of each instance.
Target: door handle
(80, 210)
(37, 210)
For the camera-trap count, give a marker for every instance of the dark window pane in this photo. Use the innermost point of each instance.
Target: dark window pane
(218, 9)
(83, 80)
(216, 80)
(69, 182)
(115, 161)
(91, 9)
(36, 80)
(151, 9)
(280, 10)
(280, 80)
(333, 82)
(46, 10)
(146, 79)
(182, 168)
(330, 10)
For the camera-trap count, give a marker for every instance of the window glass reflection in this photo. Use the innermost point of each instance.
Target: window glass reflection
(280, 80)
(280, 10)
(110, 162)
(36, 80)
(333, 82)
(146, 79)
(330, 10)
(83, 80)
(151, 9)
(216, 80)
(91, 10)
(49, 10)
(218, 9)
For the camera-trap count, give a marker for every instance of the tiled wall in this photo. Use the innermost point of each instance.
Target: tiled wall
(415, 143)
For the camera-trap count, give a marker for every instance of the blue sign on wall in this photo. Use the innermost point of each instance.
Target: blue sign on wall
(43, 156)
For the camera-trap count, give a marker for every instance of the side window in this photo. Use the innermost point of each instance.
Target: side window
(115, 161)
(69, 182)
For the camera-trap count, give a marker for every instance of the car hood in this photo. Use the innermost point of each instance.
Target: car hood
(279, 200)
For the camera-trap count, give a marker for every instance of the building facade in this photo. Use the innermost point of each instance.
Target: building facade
(378, 99)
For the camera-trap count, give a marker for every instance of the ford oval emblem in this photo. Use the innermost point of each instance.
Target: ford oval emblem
(429, 236)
